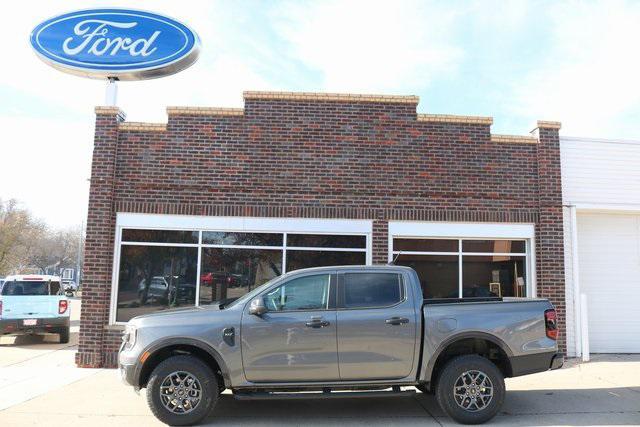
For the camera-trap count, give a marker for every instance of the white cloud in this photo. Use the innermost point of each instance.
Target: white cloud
(589, 77)
(371, 46)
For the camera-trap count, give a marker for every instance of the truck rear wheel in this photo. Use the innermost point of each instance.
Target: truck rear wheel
(64, 335)
(182, 390)
(470, 389)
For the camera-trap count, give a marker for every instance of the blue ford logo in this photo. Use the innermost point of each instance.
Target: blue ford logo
(116, 43)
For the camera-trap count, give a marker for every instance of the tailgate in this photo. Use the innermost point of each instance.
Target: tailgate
(31, 306)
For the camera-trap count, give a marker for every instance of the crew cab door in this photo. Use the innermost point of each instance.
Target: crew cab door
(295, 340)
(377, 326)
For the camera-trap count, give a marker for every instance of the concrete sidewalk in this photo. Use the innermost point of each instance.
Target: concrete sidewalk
(605, 391)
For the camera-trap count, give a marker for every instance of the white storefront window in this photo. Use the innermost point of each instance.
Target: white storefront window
(466, 260)
(166, 261)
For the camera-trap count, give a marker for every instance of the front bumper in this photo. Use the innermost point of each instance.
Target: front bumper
(128, 374)
(17, 326)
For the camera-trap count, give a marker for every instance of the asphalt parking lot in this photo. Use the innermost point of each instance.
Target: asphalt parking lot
(40, 385)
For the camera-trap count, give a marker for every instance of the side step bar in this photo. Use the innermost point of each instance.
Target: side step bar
(265, 395)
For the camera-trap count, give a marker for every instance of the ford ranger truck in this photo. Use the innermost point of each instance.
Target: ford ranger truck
(34, 305)
(334, 332)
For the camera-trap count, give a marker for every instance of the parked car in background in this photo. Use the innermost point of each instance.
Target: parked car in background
(331, 332)
(34, 305)
(69, 286)
(166, 289)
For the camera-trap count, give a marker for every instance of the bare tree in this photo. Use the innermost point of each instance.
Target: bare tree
(55, 250)
(18, 233)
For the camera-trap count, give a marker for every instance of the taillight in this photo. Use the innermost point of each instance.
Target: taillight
(551, 323)
(63, 304)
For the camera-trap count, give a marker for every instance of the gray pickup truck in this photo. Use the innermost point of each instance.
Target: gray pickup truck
(334, 332)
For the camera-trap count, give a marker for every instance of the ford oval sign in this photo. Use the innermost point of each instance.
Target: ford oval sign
(116, 43)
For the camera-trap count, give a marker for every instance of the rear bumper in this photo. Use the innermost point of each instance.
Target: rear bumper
(532, 363)
(557, 361)
(17, 326)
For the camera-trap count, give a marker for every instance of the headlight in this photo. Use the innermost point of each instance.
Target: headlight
(129, 336)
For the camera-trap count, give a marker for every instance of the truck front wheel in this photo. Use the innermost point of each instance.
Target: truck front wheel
(470, 389)
(182, 390)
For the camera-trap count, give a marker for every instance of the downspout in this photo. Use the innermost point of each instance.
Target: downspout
(575, 273)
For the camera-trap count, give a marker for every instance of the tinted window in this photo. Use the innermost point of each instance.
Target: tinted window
(305, 259)
(305, 293)
(371, 289)
(154, 278)
(159, 236)
(228, 273)
(425, 245)
(245, 239)
(499, 246)
(494, 276)
(326, 241)
(25, 288)
(438, 274)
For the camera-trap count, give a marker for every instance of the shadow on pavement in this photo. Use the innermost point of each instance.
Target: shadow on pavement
(580, 407)
(52, 340)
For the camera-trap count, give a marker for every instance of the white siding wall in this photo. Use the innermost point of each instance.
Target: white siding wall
(600, 172)
(597, 176)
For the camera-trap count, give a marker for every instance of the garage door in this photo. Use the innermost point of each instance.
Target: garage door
(609, 261)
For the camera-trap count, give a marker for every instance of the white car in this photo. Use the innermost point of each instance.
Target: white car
(34, 304)
(69, 285)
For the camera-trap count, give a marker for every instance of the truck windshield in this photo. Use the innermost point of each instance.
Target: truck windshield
(25, 288)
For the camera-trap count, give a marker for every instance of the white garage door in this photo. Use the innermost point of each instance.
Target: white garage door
(609, 258)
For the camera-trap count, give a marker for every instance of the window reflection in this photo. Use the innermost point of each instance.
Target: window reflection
(305, 293)
(230, 273)
(306, 259)
(155, 278)
(160, 236)
(245, 239)
(326, 241)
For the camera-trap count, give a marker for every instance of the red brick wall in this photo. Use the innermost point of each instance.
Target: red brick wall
(316, 159)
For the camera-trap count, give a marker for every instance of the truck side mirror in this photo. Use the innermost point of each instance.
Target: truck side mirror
(257, 307)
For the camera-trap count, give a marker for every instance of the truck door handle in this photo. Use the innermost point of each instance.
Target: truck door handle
(317, 323)
(397, 321)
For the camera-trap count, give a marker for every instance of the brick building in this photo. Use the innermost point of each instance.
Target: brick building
(218, 200)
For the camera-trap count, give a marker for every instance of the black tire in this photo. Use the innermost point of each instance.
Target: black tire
(64, 335)
(476, 413)
(208, 388)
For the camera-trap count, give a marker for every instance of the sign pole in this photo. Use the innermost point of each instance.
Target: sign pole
(111, 93)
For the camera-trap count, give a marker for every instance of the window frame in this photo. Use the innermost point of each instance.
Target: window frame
(469, 231)
(125, 220)
(342, 287)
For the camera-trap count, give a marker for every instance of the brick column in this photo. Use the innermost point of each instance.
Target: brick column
(98, 250)
(549, 233)
(380, 241)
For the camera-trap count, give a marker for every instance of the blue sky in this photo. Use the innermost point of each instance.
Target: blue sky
(517, 61)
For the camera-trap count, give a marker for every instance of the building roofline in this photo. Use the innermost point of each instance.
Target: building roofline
(514, 139)
(339, 97)
(204, 111)
(144, 127)
(450, 118)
